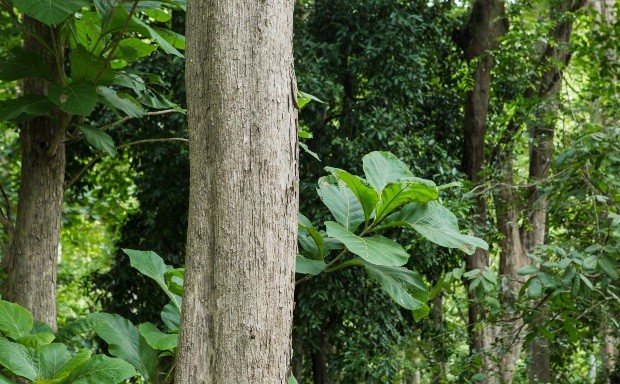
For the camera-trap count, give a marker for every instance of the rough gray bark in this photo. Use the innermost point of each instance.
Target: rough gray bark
(486, 24)
(32, 258)
(242, 231)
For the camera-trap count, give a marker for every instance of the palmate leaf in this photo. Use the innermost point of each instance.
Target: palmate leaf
(101, 369)
(437, 224)
(382, 168)
(15, 320)
(50, 12)
(341, 202)
(404, 286)
(365, 194)
(376, 249)
(309, 266)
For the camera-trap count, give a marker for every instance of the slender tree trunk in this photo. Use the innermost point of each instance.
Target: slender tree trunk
(32, 259)
(486, 24)
(319, 359)
(238, 303)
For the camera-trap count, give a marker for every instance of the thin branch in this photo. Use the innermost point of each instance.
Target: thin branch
(94, 160)
(118, 41)
(123, 120)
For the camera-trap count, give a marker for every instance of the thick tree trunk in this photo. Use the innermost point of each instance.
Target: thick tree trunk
(238, 303)
(486, 24)
(32, 259)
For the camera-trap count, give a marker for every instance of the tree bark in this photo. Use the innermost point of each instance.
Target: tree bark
(242, 231)
(486, 24)
(31, 262)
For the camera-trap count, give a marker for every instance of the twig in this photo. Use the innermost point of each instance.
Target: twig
(94, 160)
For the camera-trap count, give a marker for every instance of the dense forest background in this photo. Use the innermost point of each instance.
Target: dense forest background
(517, 100)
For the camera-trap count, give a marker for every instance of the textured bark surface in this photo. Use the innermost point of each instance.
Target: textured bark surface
(242, 231)
(32, 259)
(486, 24)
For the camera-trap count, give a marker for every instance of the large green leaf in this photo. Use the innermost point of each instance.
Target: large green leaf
(404, 286)
(171, 316)
(101, 369)
(608, 266)
(124, 341)
(112, 100)
(15, 358)
(341, 202)
(310, 239)
(309, 266)
(157, 339)
(36, 340)
(152, 265)
(437, 224)
(50, 359)
(76, 361)
(15, 320)
(376, 249)
(87, 67)
(399, 193)
(382, 168)
(25, 107)
(365, 194)
(132, 49)
(50, 12)
(19, 64)
(175, 39)
(76, 98)
(138, 25)
(99, 139)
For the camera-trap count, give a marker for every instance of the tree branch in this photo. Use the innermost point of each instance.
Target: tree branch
(94, 160)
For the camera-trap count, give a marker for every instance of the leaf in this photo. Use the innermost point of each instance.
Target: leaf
(309, 266)
(99, 139)
(175, 39)
(310, 239)
(138, 25)
(609, 267)
(397, 194)
(4, 380)
(157, 339)
(308, 151)
(382, 168)
(124, 341)
(76, 98)
(171, 316)
(112, 100)
(15, 320)
(174, 279)
(132, 49)
(292, 380)
(36, 340)
(376, 249)
(534, 289)
(362, 190)
(49, 12)
(404, 286)
(50, 359)
(86, 67)
(15, 358)
(20, 64)
(25, 107)
(478, 377)
(101, 369)
(304, 98)
(527, 270)
(152, 265)
(105, 9)
(437, 224)
(341, 202)
(73, 363)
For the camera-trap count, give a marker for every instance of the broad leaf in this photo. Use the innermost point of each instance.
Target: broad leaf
(15, 320)
(310, 239)
(138, 25)
(4, 380)
(171, 316)
(25, 107)
(174, 280)
(101, 369)
(175, 39)
(105, 9)
(124, 341)
(365, 194)
(76, 98)
(50, 12)
(132, 49)
(112, 100)
(50, 359)
(309, 266)
(20, 64)
(76, 361)
(99, 139)
(382, 168)
(36, 340)
(437, 224)
(87, 67)
(157, 339)
(15, 358)
(404, 286)
(376, 249)
(397, 194)
(152, 265)
(341, 202)
(609, 267)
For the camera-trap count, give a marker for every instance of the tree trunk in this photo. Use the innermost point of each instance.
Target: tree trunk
(319, 359)
(486, 24)
(238, 303)
(32, 259)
